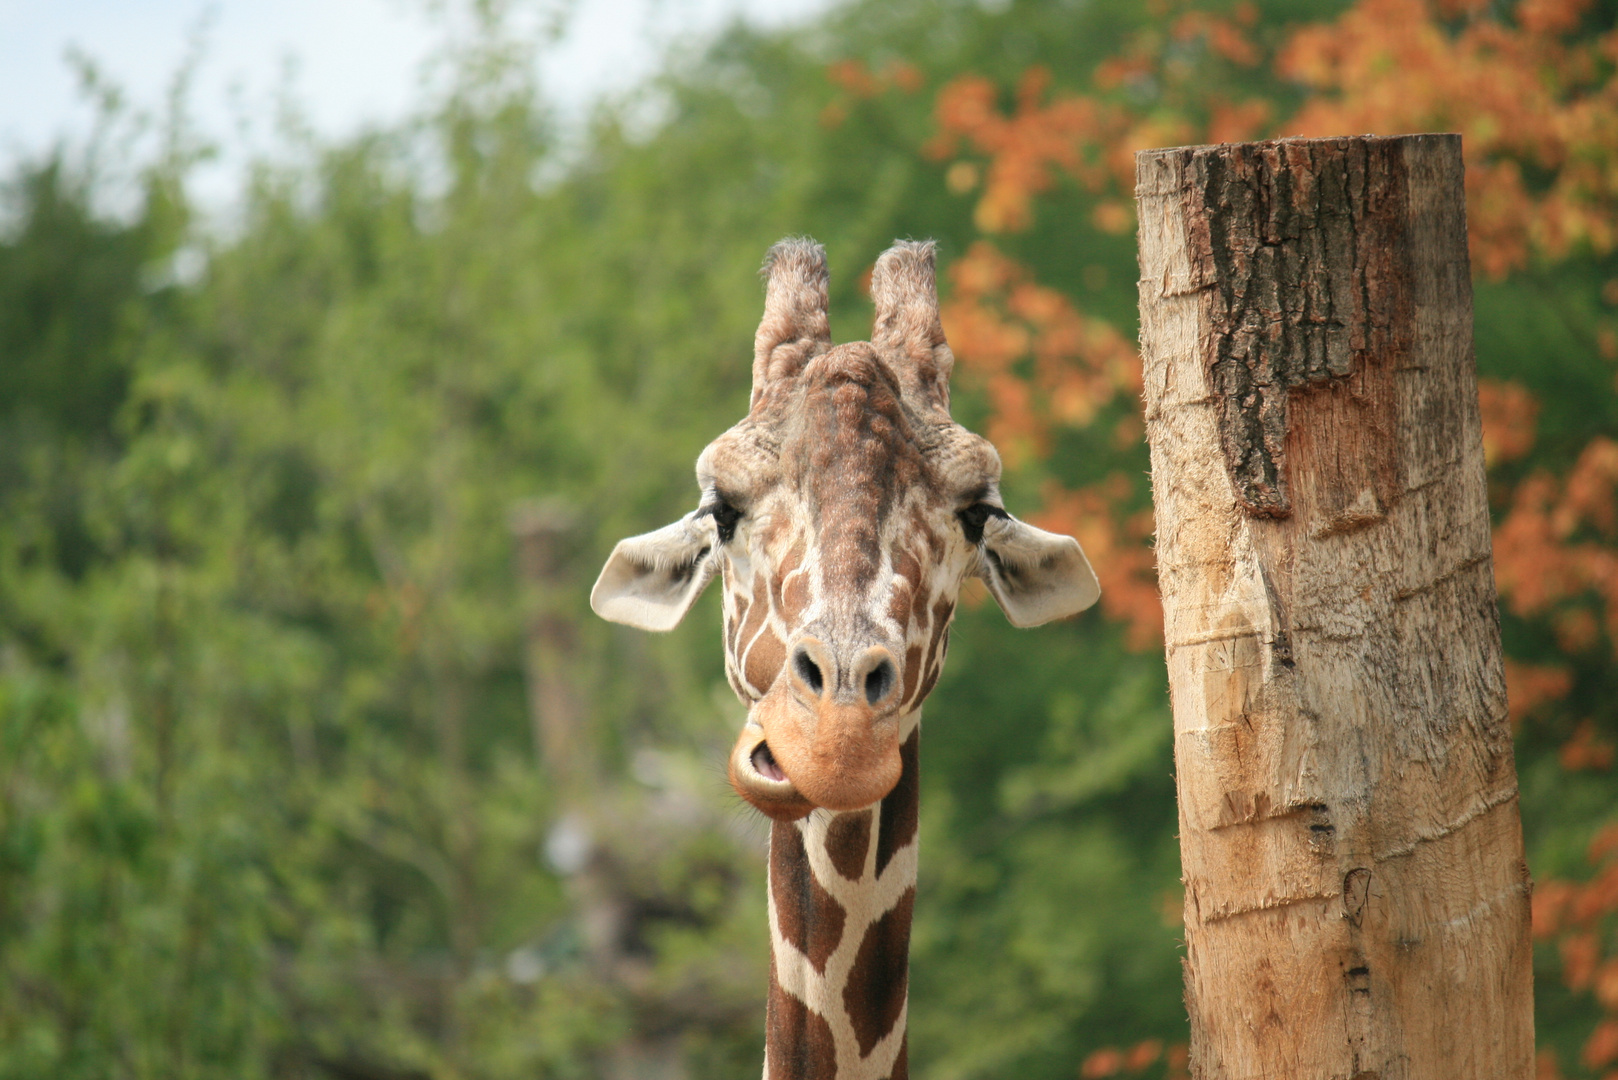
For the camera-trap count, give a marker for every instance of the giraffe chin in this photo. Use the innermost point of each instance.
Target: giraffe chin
(791, 759)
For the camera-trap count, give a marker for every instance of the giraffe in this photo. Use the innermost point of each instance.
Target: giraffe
(842, 515)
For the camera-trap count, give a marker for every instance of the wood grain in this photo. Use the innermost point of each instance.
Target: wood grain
(1356, 894)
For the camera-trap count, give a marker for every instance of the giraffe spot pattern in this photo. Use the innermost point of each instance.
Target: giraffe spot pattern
(743, 603)
(809, 917)
(935, 653)
(754, 619)
(912, 670)
(902, 603)
(848, 838)
(937, 668)
(765, 659)
(795, 598)
(900, 811)
(918, 605)
(736, 684)
(875, 995)
(923, 530)
(798, 1042)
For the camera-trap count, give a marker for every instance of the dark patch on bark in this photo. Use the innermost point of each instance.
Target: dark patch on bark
(900, 811)
(810, 919)
(875, 994)
(848, 838)
(1300, 246)
(797, 1041)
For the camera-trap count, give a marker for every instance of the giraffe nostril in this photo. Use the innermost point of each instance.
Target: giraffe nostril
(879, 682)
(808, 670)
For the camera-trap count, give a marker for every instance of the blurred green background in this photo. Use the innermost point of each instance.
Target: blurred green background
(313, 762)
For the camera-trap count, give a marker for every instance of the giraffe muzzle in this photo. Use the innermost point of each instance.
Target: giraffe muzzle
(827, 733)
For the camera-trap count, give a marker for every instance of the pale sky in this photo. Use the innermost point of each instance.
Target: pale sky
(353, 60)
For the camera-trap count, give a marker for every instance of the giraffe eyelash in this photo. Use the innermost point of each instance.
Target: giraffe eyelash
(975, 517)
(725, 516)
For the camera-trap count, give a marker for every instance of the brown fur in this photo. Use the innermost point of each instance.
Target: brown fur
(875, 994)
(795, 327)
(901, 808)
(907, 322)
(798, 1043)
(848, 838)
(806, 913)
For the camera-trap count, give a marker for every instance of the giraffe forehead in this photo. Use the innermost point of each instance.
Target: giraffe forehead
(856, 456)
(847, 429)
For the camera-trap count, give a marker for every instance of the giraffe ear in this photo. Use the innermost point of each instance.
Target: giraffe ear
(795, 328)
(650, 581)
(1036, 576)
(908, 331)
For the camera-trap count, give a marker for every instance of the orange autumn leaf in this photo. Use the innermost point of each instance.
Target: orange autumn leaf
(1238, 121)
(1596, 899)
(1143, 1054)
(1530, 686)
(1605, 985)
(1585, 751)
(1107, 1061)
(1580, 954)
(1602, 1047)
(1001, 325)
(1029, 149)
(1509, 414)
(1553, 544)
(1550, 903)
(1604, 844)
(858, 82)
(1224, 37)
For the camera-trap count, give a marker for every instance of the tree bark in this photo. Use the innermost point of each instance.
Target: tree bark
(1356, 895)
(543, 529)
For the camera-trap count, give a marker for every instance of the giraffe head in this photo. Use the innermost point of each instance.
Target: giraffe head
(842, 516)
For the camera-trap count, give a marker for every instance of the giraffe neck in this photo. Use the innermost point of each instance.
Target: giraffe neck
(842, 886)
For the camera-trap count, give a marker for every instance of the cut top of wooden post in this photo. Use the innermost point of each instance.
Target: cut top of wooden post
(1356, 897)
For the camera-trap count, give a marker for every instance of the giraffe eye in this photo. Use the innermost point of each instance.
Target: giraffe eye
(725, 516)
(974, 517)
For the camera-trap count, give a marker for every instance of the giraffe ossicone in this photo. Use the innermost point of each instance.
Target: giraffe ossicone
(842, 515)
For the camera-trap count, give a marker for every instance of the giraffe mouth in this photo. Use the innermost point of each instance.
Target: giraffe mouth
(765, 765)
(760, 779)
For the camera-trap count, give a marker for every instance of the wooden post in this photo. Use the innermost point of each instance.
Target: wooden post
(1356, 896)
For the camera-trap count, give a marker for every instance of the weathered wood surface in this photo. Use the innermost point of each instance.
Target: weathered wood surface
(1356, 894)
